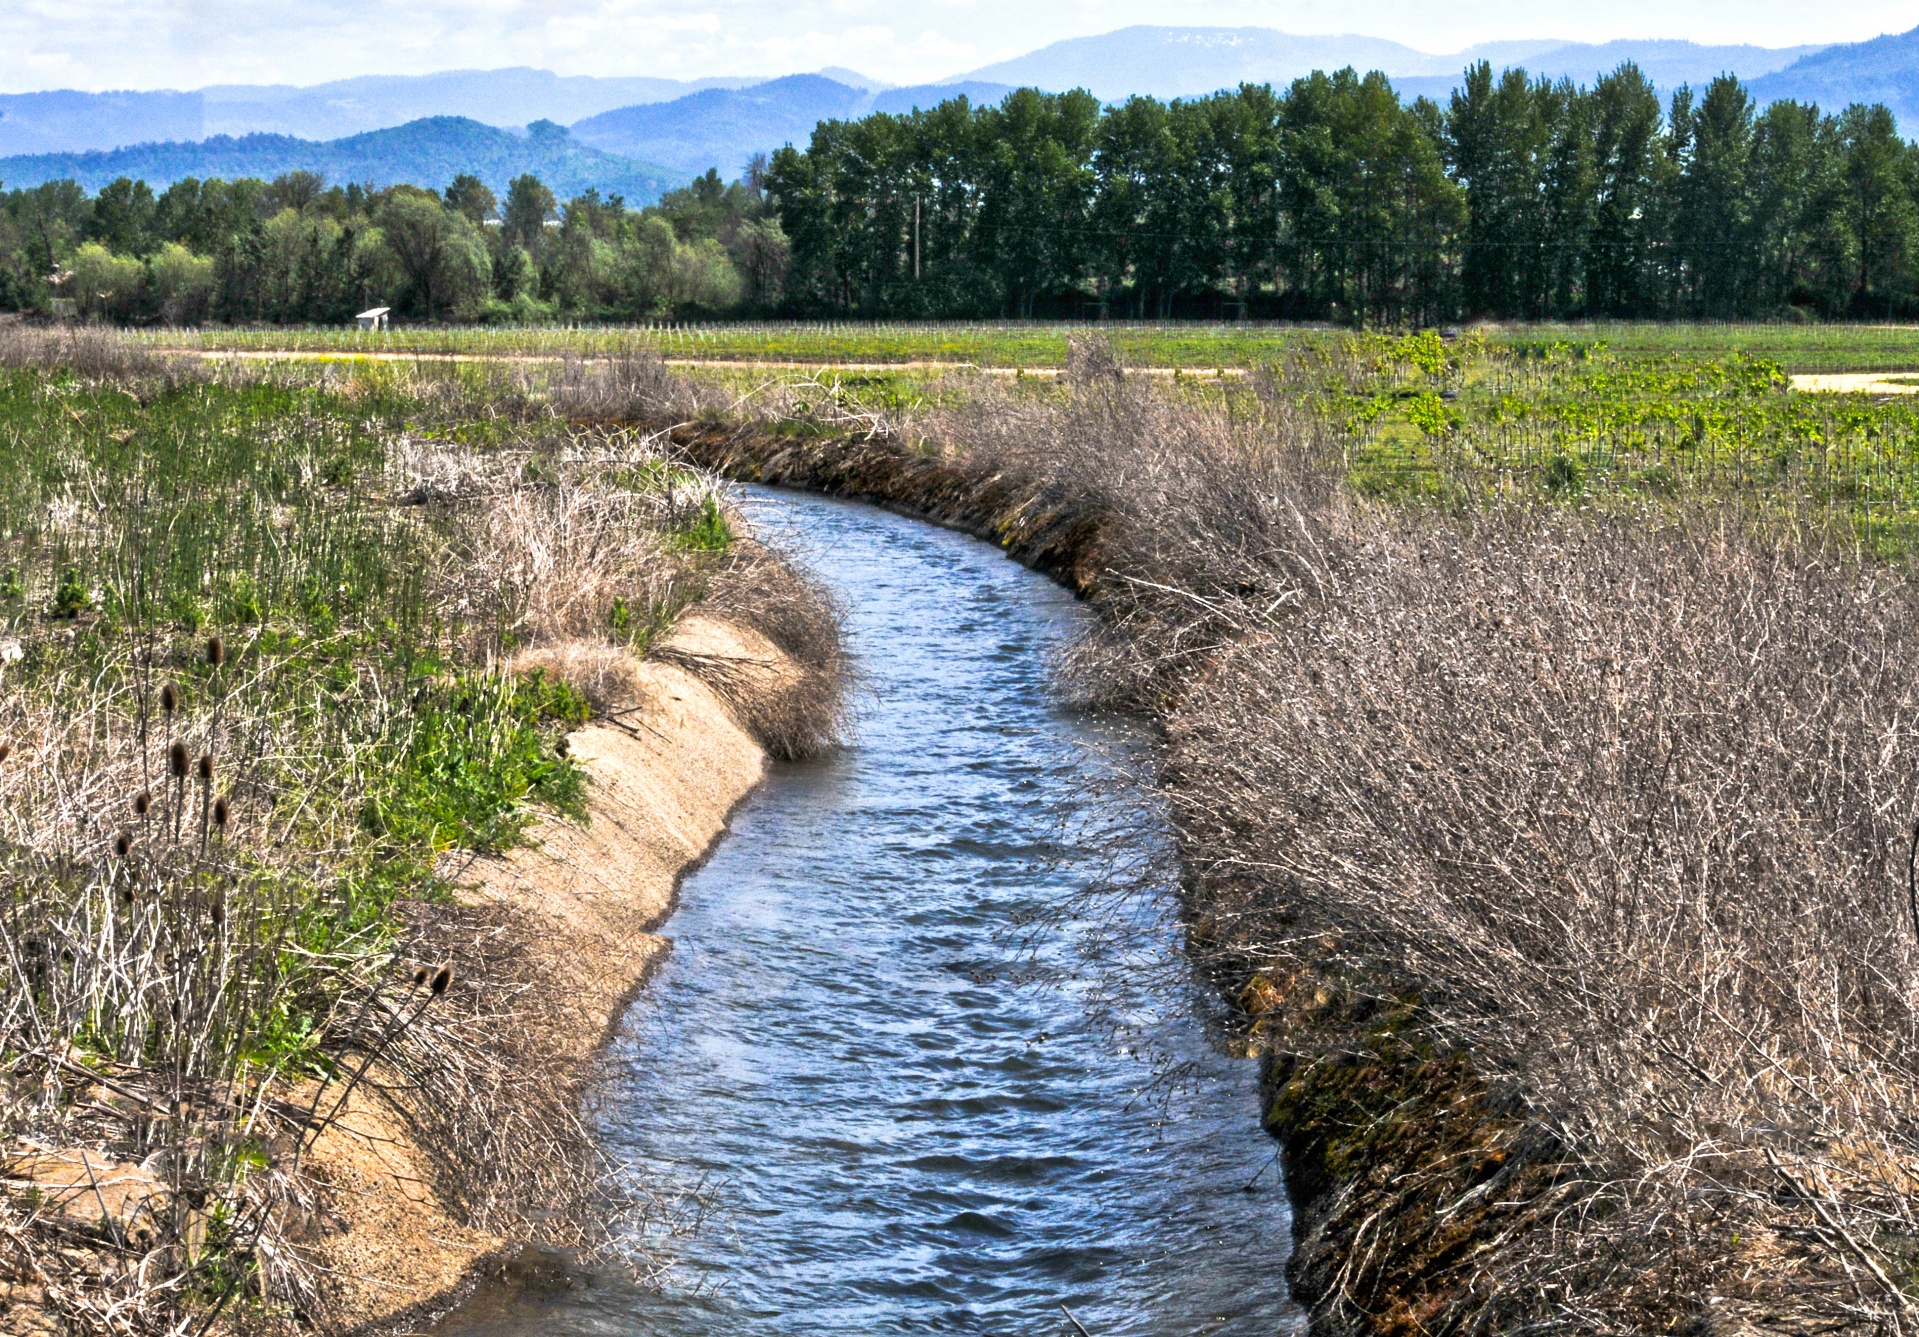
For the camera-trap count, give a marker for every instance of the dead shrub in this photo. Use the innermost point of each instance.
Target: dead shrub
(628, 387)
(1599, 821)
(561, 544)
(598, 670)
(799, 709)
(91, 351)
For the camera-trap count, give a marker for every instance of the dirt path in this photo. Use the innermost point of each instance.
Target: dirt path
(740, 364)
(1859, 383)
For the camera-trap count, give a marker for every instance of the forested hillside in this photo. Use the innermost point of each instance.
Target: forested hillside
(1333, 200)
(437, 148)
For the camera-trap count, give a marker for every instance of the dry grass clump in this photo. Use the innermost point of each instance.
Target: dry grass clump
(1614, 810)
(629, 387)
(89, 351)
(151, 931)
(798, 709)
(599, 670)
(549, 544)
(578, 557)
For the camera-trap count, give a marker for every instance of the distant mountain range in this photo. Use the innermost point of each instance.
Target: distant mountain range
(724, 127)
(640, 136)
(69, 122)
(428, 152)
(1185, 62)
(1886, 69)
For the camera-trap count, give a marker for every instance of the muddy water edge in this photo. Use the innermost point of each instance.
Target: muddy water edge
(904, 1073)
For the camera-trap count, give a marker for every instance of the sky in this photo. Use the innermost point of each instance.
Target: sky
(101, 44)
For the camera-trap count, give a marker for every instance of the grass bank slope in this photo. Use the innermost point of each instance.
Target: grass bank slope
(297, 671)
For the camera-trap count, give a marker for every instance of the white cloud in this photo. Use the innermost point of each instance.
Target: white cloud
(186, 43)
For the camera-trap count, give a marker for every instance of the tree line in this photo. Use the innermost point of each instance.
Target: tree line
(1328, 200)
(1332, 199)
(296, 250)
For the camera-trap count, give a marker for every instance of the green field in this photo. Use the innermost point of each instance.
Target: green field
(1798, 348)
(258, 630)
(1581, 411)
(1473, 420)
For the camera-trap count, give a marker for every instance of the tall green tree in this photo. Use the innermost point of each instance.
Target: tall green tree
(529, 207)
(1876, 203)
(1624, 272)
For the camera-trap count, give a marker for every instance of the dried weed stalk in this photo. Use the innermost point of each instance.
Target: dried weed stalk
(1616, 810)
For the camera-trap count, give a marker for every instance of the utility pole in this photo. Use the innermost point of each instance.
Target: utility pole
(916, 238)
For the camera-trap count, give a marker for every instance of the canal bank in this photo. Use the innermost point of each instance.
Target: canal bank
(912, 1065)
(1382, 1143)
(561, 930)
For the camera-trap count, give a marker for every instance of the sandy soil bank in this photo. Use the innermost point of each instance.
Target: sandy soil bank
(666, 773)
(1859, 383)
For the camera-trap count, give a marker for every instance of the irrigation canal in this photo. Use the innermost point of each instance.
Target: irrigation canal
(889, 1065)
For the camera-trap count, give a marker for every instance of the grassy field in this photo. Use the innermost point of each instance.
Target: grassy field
(1798, 348)
(1592, 410)
(258, 639)
(1431, 420)
(1479, 418)
(987, 345)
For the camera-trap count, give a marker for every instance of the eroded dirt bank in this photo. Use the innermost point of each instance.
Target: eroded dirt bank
(566, 925)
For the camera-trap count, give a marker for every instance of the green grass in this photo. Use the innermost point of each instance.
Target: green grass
(1004, 345)
(1009, 345)
(137, 521)
(1584, 422)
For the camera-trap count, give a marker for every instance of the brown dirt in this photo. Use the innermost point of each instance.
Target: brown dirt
(667, 770)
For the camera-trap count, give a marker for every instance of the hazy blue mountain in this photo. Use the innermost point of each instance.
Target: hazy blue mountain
(506, 98)
(429, 152)
(1664, 62)
(59, 121)
(724, 127)
(839, 74)
(1885, 69)
(1667, 64)
(1176, 62)
(67, 121)
(902, 100)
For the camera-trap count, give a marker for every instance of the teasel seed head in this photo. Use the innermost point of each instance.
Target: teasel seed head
(178, 760)
(142, 802)
(441, 979)
(218, 911)
(122, 845)
(6, 750)
(205, 767)
(169, 697)
(419, 976)
(221, 812)
(216, 651)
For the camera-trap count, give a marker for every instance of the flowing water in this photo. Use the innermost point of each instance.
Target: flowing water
(879, 1065)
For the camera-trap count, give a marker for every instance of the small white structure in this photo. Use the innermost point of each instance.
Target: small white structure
(374, 319)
